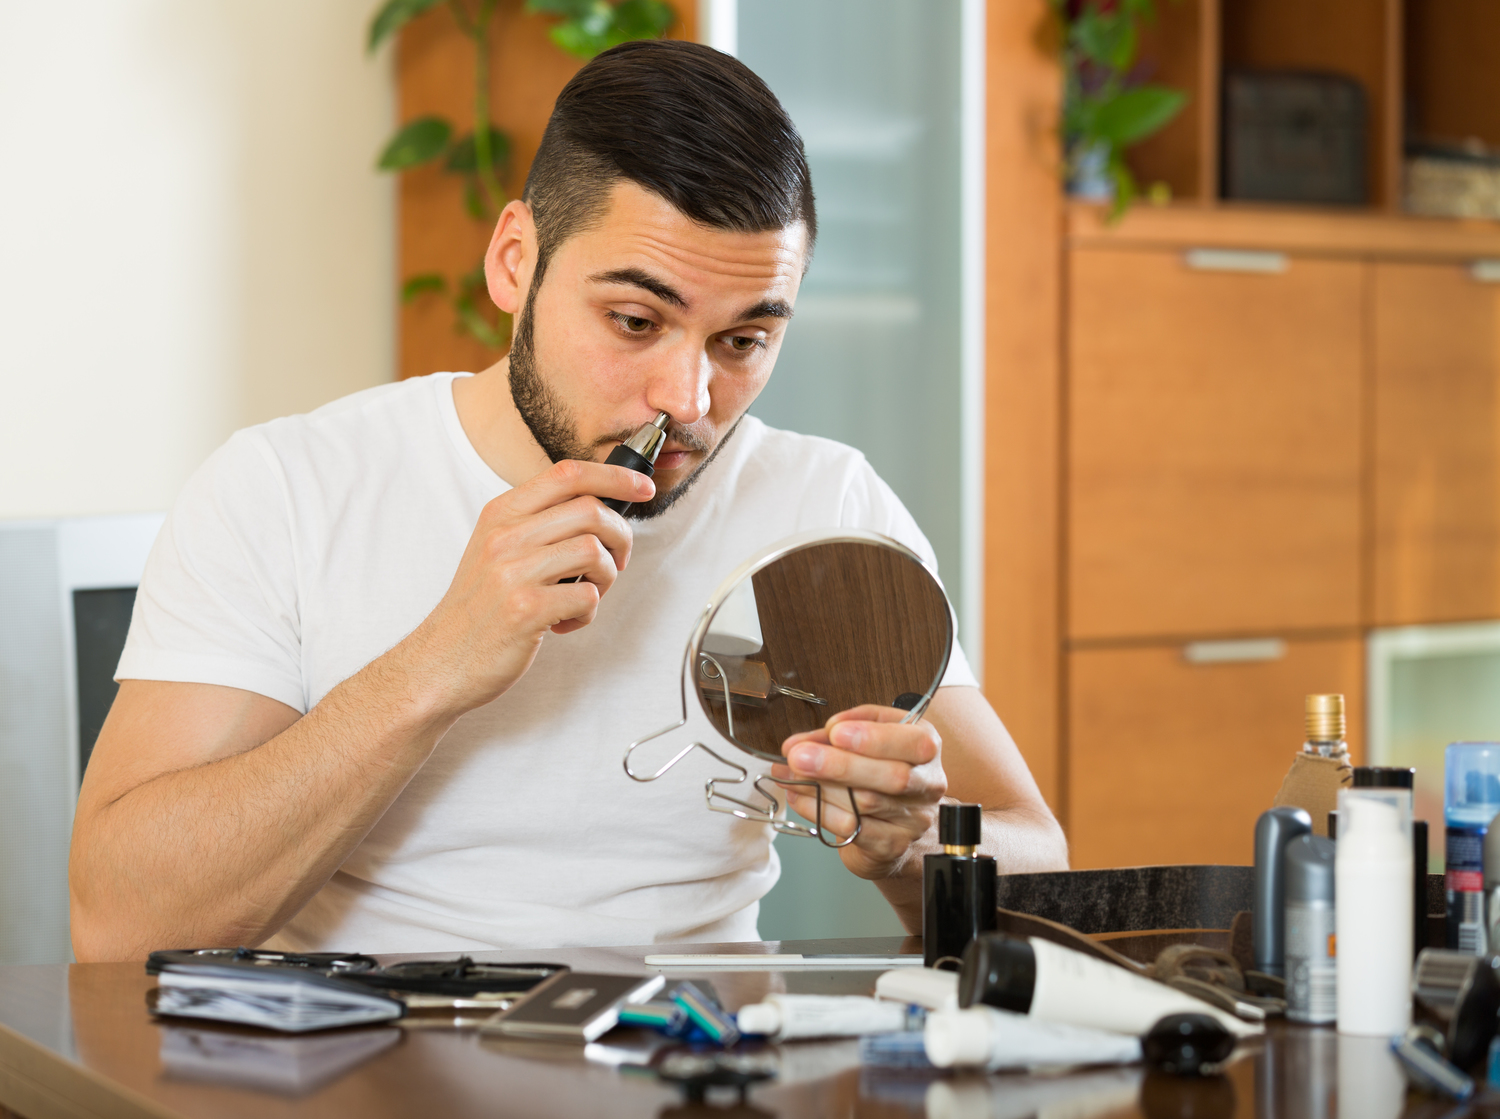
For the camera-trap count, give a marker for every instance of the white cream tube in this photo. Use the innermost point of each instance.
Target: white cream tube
(788, 1017)
(997, 1040)
(1082, 991)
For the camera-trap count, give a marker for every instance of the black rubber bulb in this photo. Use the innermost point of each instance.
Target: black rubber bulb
(1186, 1044)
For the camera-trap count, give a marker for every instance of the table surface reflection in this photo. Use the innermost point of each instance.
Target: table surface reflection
(77, 1041)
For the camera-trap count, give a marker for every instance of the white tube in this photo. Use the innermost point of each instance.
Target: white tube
(996, 1040)
(920, 986)
(1082, 991)
(787, 1017)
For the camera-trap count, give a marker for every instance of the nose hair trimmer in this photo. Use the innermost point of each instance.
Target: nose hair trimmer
(639, 454)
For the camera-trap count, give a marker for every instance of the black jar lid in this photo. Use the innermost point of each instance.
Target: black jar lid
(998, 970)
(959, 824)
(1384, 777)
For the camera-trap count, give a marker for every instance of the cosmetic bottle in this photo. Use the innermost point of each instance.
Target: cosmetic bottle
(1273, 831)
(1322, 768)
(1403, 777)
(1373, 911)
(1471, 799)
(1311, 965)
(958, 887)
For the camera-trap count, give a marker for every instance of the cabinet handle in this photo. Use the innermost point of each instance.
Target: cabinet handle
(1243, 651)
(1485, 271)
(1236, 260)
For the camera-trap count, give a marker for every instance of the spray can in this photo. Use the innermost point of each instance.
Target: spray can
(1311, 947)
(1471, 799)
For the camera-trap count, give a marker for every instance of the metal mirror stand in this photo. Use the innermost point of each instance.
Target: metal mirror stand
(769, 811)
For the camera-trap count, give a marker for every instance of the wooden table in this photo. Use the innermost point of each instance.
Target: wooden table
(77, 1041)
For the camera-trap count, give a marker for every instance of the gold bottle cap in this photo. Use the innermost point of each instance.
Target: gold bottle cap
(1325, 718)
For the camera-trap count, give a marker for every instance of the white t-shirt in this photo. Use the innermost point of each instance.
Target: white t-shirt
(306, 547)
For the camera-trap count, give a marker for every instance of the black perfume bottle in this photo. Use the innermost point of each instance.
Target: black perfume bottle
(958, 887)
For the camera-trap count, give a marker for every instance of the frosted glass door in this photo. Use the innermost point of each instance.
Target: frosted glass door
(872, 358)
(874, 355)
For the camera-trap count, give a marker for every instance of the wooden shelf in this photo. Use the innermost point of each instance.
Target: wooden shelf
(1289, 229)
(1428, 69)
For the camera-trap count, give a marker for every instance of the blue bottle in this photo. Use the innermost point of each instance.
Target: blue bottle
(1471, 800)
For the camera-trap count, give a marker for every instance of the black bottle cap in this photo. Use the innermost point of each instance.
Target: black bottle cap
(1384, 777)
(998, 971)
(958, 824)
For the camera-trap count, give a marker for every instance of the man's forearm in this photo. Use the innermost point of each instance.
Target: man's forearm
(226, 852)
(1020, 840)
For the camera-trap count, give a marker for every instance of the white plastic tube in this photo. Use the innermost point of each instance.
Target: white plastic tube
(1081, 991)
(920, 986)
(788, 1017)
(997, 1040)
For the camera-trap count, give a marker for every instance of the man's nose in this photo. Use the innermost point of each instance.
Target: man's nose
(679, 386)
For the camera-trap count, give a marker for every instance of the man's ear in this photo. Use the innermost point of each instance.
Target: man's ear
(511, 257)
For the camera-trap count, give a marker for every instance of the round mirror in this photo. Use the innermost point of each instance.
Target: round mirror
(817, 626)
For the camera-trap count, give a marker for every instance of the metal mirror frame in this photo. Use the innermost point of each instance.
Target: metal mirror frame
(769, 810)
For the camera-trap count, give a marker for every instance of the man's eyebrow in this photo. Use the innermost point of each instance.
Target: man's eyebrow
(767, 309)
(640, 278)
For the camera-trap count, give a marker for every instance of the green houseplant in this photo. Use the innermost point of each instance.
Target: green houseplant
(479, 153)
(1106, 106)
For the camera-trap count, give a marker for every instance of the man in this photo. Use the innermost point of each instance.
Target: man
(361, 709)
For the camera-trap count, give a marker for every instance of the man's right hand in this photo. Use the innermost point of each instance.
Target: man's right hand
(507, 593)
(209, 815)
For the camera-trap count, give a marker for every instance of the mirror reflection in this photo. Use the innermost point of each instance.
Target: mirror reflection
(819, 629)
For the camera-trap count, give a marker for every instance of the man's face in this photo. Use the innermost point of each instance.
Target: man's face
(650, 312)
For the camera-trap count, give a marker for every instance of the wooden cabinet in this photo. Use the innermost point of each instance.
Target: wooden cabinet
(1436, 507)
(1213, 465)
(1171, 761)
(1176, 454)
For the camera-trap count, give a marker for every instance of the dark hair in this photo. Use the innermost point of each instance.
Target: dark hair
(688, 123)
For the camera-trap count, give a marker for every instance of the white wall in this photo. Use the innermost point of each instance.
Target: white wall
(192, 235)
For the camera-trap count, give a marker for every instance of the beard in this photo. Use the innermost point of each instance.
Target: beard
(556, 431)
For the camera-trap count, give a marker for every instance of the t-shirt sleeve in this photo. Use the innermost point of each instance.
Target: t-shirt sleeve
(218, 601)
(872, 505)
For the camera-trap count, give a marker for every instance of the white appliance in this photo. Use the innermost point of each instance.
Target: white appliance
(66, 590)
(1429, 686)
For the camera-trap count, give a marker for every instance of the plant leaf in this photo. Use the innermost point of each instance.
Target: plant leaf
(424, 284)
(1136, 114)
(473, 280)
(463, 159)
(568, 9)
(470, 321)
(418, 141)
(642, 19)
(596, 25)
(1108, 39)
(394, 15)
(570, 37)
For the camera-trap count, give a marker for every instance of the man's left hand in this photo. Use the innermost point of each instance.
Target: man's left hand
(895, 771)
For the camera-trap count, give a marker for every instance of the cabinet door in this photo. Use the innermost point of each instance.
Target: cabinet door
(1171, 761)
(1213, 446)
(1437, 445)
